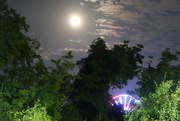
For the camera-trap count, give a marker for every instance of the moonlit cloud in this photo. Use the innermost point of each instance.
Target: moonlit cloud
(76, 41)
(45, 57)
(152, 23)
(49, 55)
(82, 4)
(108, 23)
(108, 32)
(107, 27)
(110, 26)
(60, 52)
(105, 21)
(109, 8)
(111, 45)
(118, 10)
(72, 49)
(91, 1)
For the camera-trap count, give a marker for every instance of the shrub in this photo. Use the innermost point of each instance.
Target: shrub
(163, 105)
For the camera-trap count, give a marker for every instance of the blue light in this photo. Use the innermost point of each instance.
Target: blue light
(128, 102)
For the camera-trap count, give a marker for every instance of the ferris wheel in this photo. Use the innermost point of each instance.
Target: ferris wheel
(127, 102)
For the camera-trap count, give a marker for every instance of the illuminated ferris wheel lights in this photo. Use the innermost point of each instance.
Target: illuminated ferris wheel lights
(121, 101)
(125, 105)
(116, 102)
(128, 102)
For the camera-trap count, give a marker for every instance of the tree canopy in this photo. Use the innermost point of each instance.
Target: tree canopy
(166, 69)
(103, 69)
(24, 78)
(162, 105)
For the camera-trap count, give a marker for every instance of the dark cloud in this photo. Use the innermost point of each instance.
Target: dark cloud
(155, 0)
(169, 12)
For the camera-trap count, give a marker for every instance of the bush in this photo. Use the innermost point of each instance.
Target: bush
(36, 113)
(163, 105)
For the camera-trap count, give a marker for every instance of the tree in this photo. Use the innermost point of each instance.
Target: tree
(36, 113)
(24, 78)
(17, 53)
(103, 69)
(162, 105)
(167, 68)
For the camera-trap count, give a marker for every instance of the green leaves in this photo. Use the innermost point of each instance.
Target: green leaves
(103, 69)
(166, 69)
(24, 76)
(36, 113)
(162, 105)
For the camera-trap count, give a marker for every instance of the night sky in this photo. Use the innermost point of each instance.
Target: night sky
(152, 23)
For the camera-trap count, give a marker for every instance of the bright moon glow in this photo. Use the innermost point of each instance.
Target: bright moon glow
(75, 21)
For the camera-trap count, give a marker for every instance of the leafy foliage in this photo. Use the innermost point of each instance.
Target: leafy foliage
(162, 105)
(36, 113)
(24, 78)
(168, 66)
(102, 69)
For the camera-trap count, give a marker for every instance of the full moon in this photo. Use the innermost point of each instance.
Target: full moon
(75, 21)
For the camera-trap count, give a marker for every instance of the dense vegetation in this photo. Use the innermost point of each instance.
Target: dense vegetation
(162, 105)
(32, 91)
(102, 69)
(23, 74)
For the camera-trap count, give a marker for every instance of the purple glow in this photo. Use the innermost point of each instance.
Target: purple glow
(128, 102)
